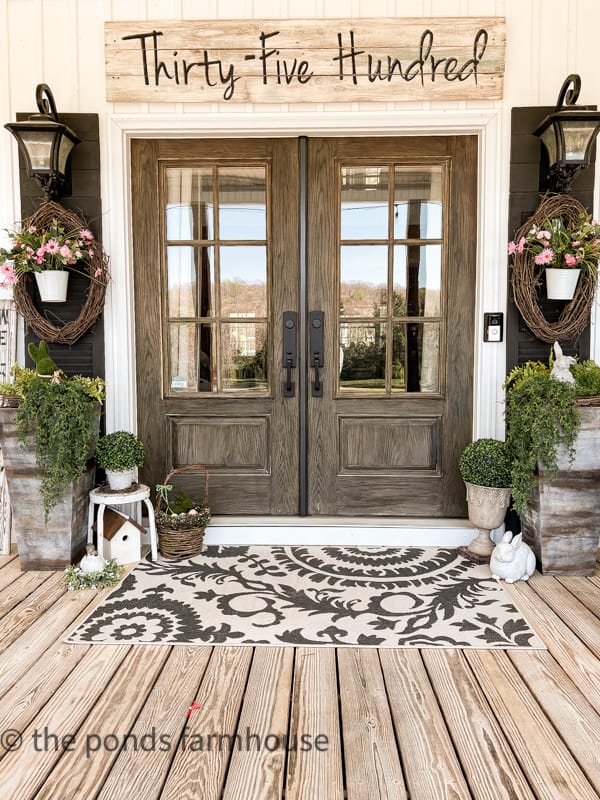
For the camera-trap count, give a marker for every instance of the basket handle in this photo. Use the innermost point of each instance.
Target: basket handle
(189, 468)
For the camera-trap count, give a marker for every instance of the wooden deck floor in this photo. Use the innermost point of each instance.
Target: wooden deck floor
(114, 722)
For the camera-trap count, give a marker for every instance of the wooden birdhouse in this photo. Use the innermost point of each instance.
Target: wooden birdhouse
(121, 537)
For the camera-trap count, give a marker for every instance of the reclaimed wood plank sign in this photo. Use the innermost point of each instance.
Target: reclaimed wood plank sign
(324, 60)
(8, 355)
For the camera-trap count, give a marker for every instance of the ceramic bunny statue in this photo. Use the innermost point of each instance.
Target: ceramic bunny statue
(560, 368)
(512, 559)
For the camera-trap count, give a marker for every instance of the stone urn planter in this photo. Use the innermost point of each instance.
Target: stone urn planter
(562, 520)
(60, 541)
(487, 507)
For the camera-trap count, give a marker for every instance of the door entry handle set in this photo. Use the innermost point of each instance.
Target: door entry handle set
(290, 352)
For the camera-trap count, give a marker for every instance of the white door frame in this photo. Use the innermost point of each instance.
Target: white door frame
(491, 290)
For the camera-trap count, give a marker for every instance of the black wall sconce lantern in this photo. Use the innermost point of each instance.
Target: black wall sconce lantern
(45, 144)
(568, 135)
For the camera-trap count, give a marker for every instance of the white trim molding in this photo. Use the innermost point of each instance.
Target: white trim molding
(489, 359)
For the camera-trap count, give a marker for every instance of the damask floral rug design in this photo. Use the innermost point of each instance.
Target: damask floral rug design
(307, 596)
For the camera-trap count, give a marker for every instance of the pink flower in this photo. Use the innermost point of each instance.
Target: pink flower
(85, 234)
(521, 244)
(544, 234)
(52, 246)
(31, 229)
(97, 273)
(65, 251)
(7, 275)
(41, 251)
(575, 244)
(545, 257)
(511, 248)
(78, 254)
(570, 260)
(91, 253)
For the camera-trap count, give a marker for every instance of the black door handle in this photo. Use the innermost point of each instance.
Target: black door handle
(289, 358)
(316, 350)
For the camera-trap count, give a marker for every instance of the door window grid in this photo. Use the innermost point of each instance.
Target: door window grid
(390, 348)
(215, 282)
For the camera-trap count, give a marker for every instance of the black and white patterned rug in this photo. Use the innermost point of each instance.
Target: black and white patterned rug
(306, 596)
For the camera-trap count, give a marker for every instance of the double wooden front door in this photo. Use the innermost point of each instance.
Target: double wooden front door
(304, 320)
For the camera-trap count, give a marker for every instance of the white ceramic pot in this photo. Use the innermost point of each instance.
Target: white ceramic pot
(561, 283)
(119, 480)
(52, 285)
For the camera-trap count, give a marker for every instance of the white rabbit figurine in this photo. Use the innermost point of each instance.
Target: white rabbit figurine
(512, 559)
(560, 369)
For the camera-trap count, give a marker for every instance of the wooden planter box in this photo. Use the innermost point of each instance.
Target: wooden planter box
(62, 540)
(562, 520)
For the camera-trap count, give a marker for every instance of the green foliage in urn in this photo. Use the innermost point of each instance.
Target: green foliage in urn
(587, 379)
(486, 462)
(119, 452)
(60, 417)
(541, 415)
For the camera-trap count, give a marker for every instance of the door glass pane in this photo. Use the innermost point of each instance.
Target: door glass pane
(415, 357)
(363, 285)
(192, 363)
(243, 281)
(244, 359)
(362, 356)
(189, 203)
(365, 201)
(417, 285)
(242, 203)
(190, 281)
(418, 202)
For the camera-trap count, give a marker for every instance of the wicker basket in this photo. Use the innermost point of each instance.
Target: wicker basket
(182, 536)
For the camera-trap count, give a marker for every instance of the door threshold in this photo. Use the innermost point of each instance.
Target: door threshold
(376, 531)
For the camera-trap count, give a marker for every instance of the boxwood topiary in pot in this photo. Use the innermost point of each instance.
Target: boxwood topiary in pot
(485, 467)
(119, 453)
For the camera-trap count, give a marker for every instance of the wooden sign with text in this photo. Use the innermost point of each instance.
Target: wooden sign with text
(313, 61)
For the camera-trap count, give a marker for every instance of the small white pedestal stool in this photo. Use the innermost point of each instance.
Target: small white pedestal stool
(103, 496)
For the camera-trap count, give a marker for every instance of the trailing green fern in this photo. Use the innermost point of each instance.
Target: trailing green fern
(541, 415)
(62, 419)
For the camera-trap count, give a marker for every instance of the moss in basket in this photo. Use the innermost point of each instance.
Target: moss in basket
(181, 512)
(486, 462)
(119, 452)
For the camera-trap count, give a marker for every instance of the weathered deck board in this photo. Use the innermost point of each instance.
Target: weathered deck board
(9, 571)
(430, 762)
(108, 723)
(165, 712)
(315, 713)
(585, 591)
(373, 767)
(13, 624)
(259, 770)
(569, 651)
(543, 756)
(200, 762)
(42, 633)
(25, 770)
(451, 724)
(489, 765)
(20, 588)
(579, 618)
(565, 706)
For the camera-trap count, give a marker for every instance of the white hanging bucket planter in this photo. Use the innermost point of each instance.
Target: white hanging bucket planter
(52, 285)
(561, 283)
(119, 480)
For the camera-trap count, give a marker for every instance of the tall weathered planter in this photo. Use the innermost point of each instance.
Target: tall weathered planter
(562, 520)
(62, 539)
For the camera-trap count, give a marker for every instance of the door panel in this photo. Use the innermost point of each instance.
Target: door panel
(391, 255)
(390, 244)
(215, 268)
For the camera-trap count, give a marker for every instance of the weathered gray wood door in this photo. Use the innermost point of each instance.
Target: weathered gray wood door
(378, 279)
